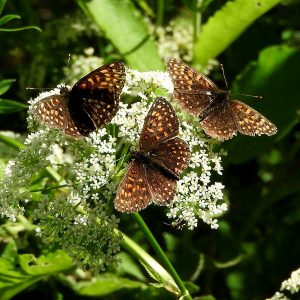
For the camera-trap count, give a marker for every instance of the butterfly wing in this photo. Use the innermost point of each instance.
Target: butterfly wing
(53, 112)
(192, 90)
(161, 123)
(249, 121)
(162, 187)
(133, 193)
(174, 154)
(98, 94)
(220, 122)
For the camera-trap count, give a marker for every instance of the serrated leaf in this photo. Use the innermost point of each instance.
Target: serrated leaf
(165, 282)
(125, 27)
(226, 25)
(106, 284)
(275, 76)
(11, 106)
(5, 85)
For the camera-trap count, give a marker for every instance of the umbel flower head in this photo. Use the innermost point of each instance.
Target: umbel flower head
(73, 205)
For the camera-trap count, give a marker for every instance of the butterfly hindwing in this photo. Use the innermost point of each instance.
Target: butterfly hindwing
(133, 193)
(162, 187)
(220, 123)
(174, 154)
(53, 112)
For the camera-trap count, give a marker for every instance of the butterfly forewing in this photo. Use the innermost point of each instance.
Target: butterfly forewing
(191, 89)
(161, 123)
(249, 121)
(98, 92)
(133, 193)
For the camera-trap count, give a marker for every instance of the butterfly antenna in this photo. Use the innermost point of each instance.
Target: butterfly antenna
(67, 69)
(252, 96)
(41, 89)
(223, 71)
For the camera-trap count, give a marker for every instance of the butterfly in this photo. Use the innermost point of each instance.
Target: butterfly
(162, 156)
(221, 117)
(91, 103)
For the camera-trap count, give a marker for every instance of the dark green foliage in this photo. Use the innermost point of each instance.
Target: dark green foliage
(257, 245)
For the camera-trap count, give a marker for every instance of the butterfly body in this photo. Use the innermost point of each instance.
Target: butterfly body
(162, 156)
(221, 116)
(150, 159)
(91, 103)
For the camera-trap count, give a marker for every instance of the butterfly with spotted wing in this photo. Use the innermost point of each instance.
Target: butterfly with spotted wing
(90, 104)
(152, 175)
(221, 117)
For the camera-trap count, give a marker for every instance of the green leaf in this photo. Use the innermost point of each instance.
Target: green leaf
(21, 28)
(45, 265)
(5, 85)
(7, 18)
(10, 251)
(129, 266)
(226, 25)
(2, 3)
(11, 142)
(14, 278)
(275, 76)
(11, 106)
(106, 284)
(125, 27)
(153, 268)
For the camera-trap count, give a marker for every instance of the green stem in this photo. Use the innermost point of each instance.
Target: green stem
(160, 13)
(149, 262)
(197, 24)
(162, 255)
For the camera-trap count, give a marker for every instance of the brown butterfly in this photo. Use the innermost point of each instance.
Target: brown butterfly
(91, 103)
(152, 175)
(221, 117)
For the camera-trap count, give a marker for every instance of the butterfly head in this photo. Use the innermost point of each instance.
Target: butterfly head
(63, 89)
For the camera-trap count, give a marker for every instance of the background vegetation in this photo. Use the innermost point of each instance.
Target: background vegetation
(257, 244)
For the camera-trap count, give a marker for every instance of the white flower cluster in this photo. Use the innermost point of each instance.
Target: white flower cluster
(18, 173)
(292, 285)
(174, 40)
(197, 196)
(79, 220)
